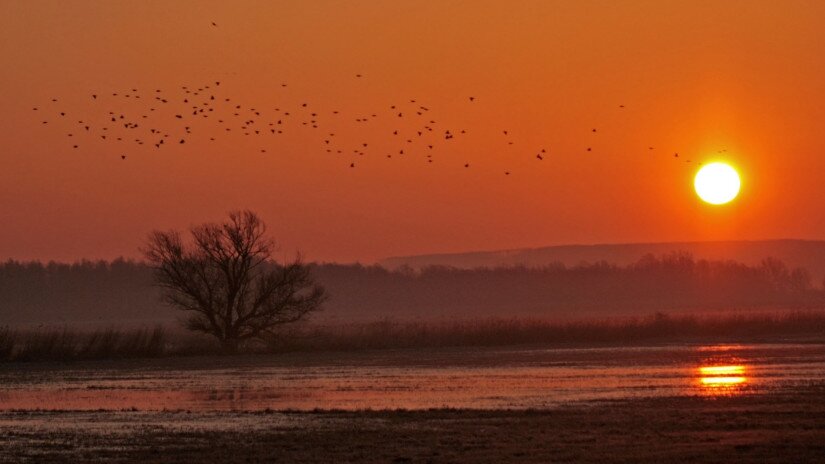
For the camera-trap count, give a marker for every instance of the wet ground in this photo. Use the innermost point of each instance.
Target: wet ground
(787, 427)
(733, 403)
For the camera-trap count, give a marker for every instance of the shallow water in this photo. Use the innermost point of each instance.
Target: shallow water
(485, 378)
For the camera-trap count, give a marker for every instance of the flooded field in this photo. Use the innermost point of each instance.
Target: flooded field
(467, 378)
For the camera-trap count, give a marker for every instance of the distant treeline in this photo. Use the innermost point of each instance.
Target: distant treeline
(121, 291)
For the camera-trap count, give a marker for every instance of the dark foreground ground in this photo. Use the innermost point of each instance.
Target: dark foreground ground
(787, 426)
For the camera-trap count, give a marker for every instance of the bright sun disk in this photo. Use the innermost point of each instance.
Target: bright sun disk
(717, 183)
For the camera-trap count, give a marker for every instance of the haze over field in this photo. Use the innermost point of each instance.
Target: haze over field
(121, 293)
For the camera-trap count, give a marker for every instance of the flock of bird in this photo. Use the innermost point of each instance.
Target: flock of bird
(157, 119)
(163, 118)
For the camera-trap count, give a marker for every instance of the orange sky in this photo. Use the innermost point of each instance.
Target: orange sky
(695, 78)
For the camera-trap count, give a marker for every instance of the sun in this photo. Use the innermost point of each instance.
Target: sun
(717, 183)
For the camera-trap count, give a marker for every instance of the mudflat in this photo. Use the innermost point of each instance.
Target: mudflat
(778, 426)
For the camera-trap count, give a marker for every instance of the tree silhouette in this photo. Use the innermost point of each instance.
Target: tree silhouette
(226, 279)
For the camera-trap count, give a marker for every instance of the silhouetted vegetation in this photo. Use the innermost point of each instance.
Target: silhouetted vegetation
(227, 282)
(78, 293)
(656, 328)
(121, 292)
(670, 282)
(65, 345)
(7, 342)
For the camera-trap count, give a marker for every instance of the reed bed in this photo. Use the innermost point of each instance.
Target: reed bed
(65, 344)
(656, 328)
(68, 345)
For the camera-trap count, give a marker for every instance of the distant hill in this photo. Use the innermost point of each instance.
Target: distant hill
(809, 254)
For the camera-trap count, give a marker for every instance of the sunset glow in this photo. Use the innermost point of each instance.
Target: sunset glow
(561, 73)
(412, 230)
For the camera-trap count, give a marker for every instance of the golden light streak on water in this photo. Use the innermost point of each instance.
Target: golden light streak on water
(722, 380)
(721, 370)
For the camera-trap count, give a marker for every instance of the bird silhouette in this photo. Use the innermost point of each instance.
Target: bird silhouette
(190, 101)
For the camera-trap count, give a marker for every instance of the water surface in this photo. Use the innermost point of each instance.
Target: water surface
(416, 379)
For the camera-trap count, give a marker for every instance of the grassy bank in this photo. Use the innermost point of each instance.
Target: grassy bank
(64, 344)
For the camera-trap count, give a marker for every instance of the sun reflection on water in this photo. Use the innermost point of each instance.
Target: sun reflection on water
(722, 380)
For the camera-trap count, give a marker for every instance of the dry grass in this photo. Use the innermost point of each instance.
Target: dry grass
(65, 345)
(657, 328)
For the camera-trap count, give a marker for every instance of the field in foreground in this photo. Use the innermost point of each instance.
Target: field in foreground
(783, 426)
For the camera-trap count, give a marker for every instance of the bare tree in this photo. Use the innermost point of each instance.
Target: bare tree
(226, 279)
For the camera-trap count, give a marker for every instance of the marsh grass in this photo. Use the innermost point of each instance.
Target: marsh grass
(7, 340)
(112, 343)
(66, 345)
(657, 328)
